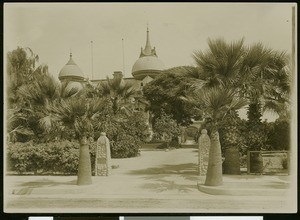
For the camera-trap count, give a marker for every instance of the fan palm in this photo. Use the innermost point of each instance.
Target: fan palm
(265, 81)
(17, 124)
(260, 73)
(120, 93)
(21, 70)
(221, 63)
(217, 103)
(34, 99)
(77, 113)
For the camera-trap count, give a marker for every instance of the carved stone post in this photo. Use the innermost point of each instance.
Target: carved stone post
(203, 152)
(102, 163)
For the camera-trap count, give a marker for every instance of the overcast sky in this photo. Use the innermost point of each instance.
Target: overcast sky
(176, 30)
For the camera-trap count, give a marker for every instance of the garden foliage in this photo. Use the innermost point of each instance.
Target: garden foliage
(125, 132)
(58, 157)
(166, 129)
(53, 157)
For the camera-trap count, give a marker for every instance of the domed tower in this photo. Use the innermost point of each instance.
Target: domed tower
(148, 64)
(72, 74)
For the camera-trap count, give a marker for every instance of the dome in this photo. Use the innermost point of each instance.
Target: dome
(71, 71)
(147, 65)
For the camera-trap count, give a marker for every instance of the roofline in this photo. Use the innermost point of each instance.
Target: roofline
(96, 80)
(72, 78)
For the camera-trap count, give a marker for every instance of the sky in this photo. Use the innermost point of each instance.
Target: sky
(177, 30)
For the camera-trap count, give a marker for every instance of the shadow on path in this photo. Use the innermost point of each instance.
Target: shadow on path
(158, 182)
(47, 182)
(187, 168)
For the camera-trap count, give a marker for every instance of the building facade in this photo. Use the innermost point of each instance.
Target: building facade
(144, 70)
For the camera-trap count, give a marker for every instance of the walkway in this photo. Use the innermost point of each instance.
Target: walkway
(157, 181)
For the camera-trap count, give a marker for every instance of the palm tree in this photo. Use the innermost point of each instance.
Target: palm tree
(259, 73)
(265, 81)
(21, 70)
(17, 129)
(221, 64)
(34, 99)
(267, 88)
(119, 92)
(23, 74)
(277, 90)
(53, 108)
(217, 103)
(78, 113)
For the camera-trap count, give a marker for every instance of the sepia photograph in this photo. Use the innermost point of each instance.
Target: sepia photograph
(150, 108)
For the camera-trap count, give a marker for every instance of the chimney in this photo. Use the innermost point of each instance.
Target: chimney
(118, 74)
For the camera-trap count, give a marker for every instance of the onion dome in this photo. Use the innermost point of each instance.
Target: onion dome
(148, 64)
(71, 71)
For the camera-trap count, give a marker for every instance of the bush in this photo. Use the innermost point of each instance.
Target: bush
(173, 144)
(53, 157)
(26, 157)
(279, 135)
(124, 147)
(125, 133)
(165, 128)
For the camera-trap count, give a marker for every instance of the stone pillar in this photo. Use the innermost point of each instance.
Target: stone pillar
(203, 152)
(102, 163)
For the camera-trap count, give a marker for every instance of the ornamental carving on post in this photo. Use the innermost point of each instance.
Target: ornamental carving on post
(203, 152)
(102, 164)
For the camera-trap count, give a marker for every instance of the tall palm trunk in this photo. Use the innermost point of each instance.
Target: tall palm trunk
(84, 168)
(214, 170)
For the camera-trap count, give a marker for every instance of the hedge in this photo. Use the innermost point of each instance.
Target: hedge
(60, 157)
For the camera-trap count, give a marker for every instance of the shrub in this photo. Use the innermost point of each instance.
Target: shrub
(26, 157)
(124, 147)
(165, 128)
(126, 133)
(173, 144)
(279, 135)
(53, 157)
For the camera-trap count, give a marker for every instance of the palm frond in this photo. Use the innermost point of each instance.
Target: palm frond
(237, 103)
(22, 130)
(221, 63)
(47, 122)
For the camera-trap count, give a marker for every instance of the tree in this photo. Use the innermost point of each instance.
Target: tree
(33, 100)
(120, 92)
(279, 135)
(165, 128)
(217, 103)
(259, 74)
(22, 68)
(23, 72)
(221, 63)
(78, 114)
(166, 91)
(268, 88)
